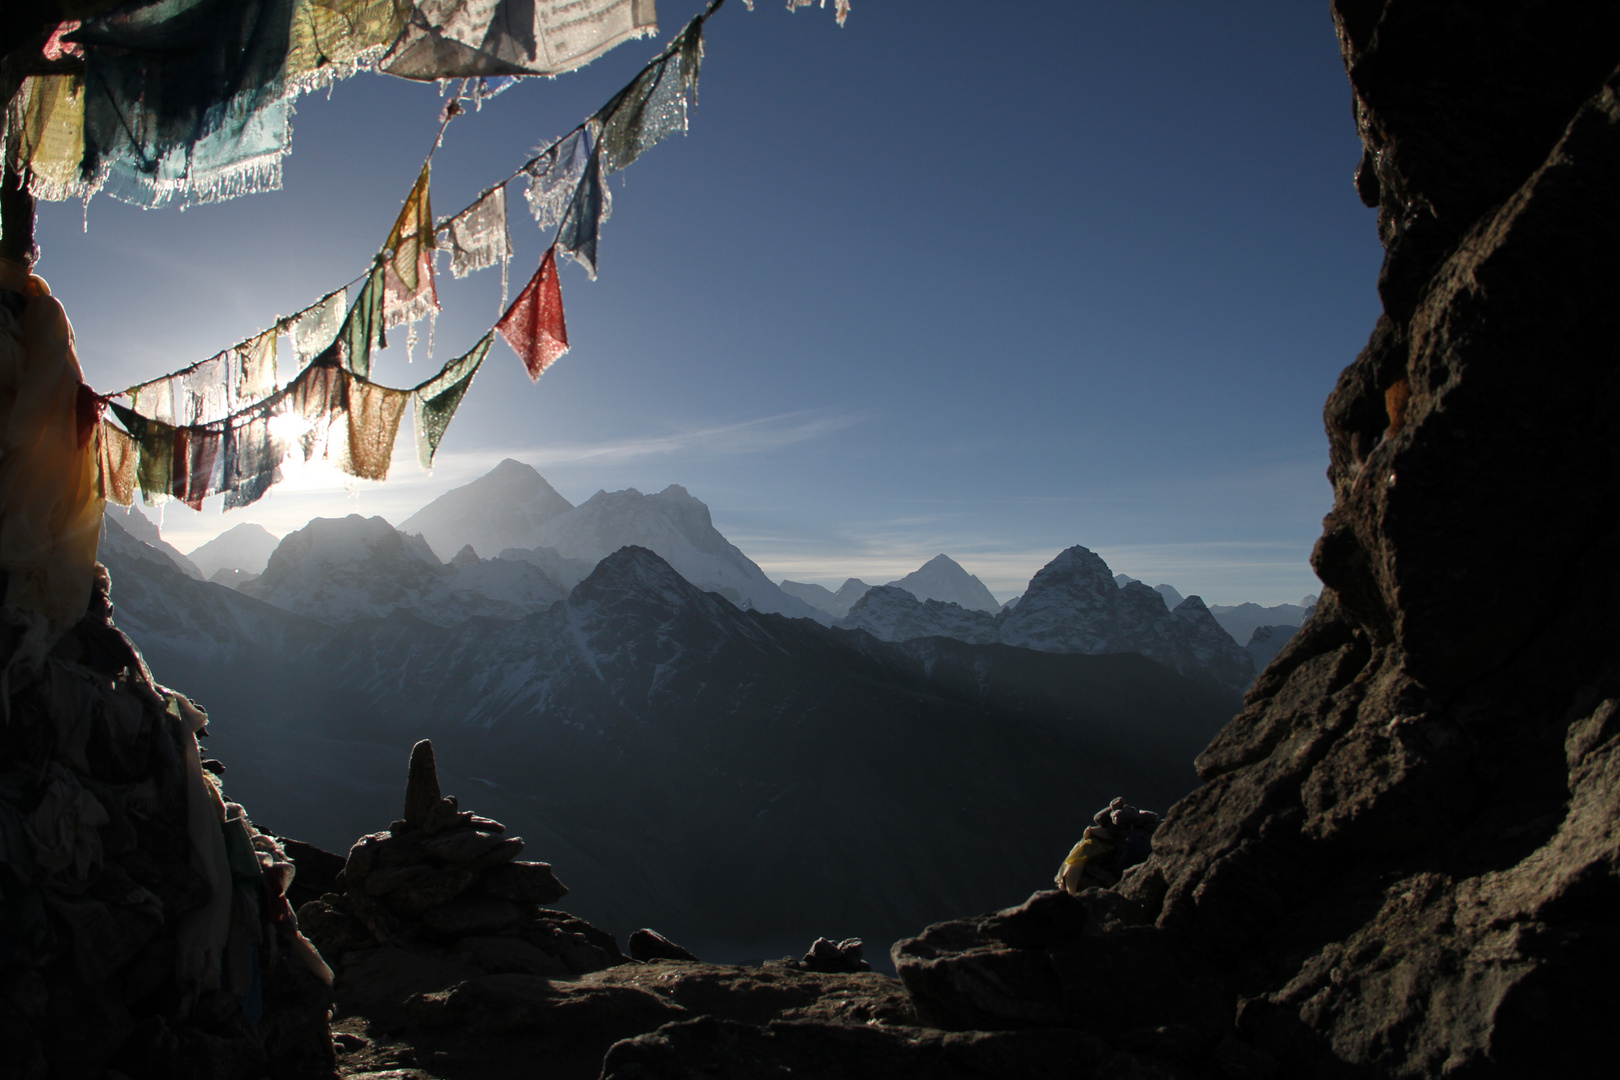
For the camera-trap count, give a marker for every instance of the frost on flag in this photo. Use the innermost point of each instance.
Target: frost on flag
(456, 38)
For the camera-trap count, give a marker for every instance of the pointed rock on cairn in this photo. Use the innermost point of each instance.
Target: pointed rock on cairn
(442, 892)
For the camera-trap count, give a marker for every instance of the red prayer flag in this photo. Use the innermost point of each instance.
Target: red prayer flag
(534, 325)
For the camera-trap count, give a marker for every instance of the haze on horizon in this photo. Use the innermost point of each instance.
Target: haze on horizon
(986, 284)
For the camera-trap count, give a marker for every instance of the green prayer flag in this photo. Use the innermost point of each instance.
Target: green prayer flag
(437, 399)
(364, 326)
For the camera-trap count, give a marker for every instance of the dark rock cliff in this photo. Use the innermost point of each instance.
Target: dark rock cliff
(1404, 859)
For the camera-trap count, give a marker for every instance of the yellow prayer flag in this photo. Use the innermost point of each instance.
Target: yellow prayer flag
(329, 39)
(413, 231)
(46, 125)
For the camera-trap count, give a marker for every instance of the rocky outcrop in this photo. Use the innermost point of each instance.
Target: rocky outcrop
(144, 920)
(1403, 860)
(890, 613)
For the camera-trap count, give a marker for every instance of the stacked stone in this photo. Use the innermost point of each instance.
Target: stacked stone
(443, 880)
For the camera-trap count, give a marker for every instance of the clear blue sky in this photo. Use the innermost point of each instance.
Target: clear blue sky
(982, 279)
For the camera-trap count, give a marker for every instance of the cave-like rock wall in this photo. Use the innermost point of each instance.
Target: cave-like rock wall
(1405, 857)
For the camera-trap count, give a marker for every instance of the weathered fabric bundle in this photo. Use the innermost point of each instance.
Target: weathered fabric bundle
(48, 457)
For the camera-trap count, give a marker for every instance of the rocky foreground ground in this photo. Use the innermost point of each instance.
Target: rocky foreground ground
(450, 965)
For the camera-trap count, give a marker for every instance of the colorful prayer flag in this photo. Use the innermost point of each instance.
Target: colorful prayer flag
(555, 173)
(534, 324)
(318, 326)
(582, 225)
(363, 326)
(437, 399)
(117, 455)
(374, 415)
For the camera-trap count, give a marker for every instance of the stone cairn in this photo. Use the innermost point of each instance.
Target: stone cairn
(444, 881)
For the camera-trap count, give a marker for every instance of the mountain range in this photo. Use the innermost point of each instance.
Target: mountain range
(736, 777)
(341, 570)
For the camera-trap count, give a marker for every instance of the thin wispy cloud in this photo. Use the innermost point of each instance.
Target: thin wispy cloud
(745, 437)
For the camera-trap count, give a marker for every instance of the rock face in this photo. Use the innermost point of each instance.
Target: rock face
(1073, 605)
(1404, 859)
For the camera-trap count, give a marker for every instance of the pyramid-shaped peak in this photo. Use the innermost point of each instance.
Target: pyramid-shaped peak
(502, 509)
(465, 557)
(942, 578)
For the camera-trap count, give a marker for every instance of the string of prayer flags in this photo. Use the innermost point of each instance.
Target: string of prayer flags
(221, 426)
(437, 399)
(318, 326)
(458, 38)
(478, 237)
(534, 324)
(654, 104)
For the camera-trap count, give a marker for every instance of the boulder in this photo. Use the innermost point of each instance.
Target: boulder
(648, 944)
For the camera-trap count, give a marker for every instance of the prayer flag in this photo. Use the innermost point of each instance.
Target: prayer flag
(330, 39)
(363, 327)
(534, 325)
(45, 125)
(318, 326)
(117, 456)
(478, 237)
(412, 232)
(450, 38)
(186, 98)
(555, 174)
(437, 399)
(590, 206)
(253, 369)
(654, 105)
(374, 415)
